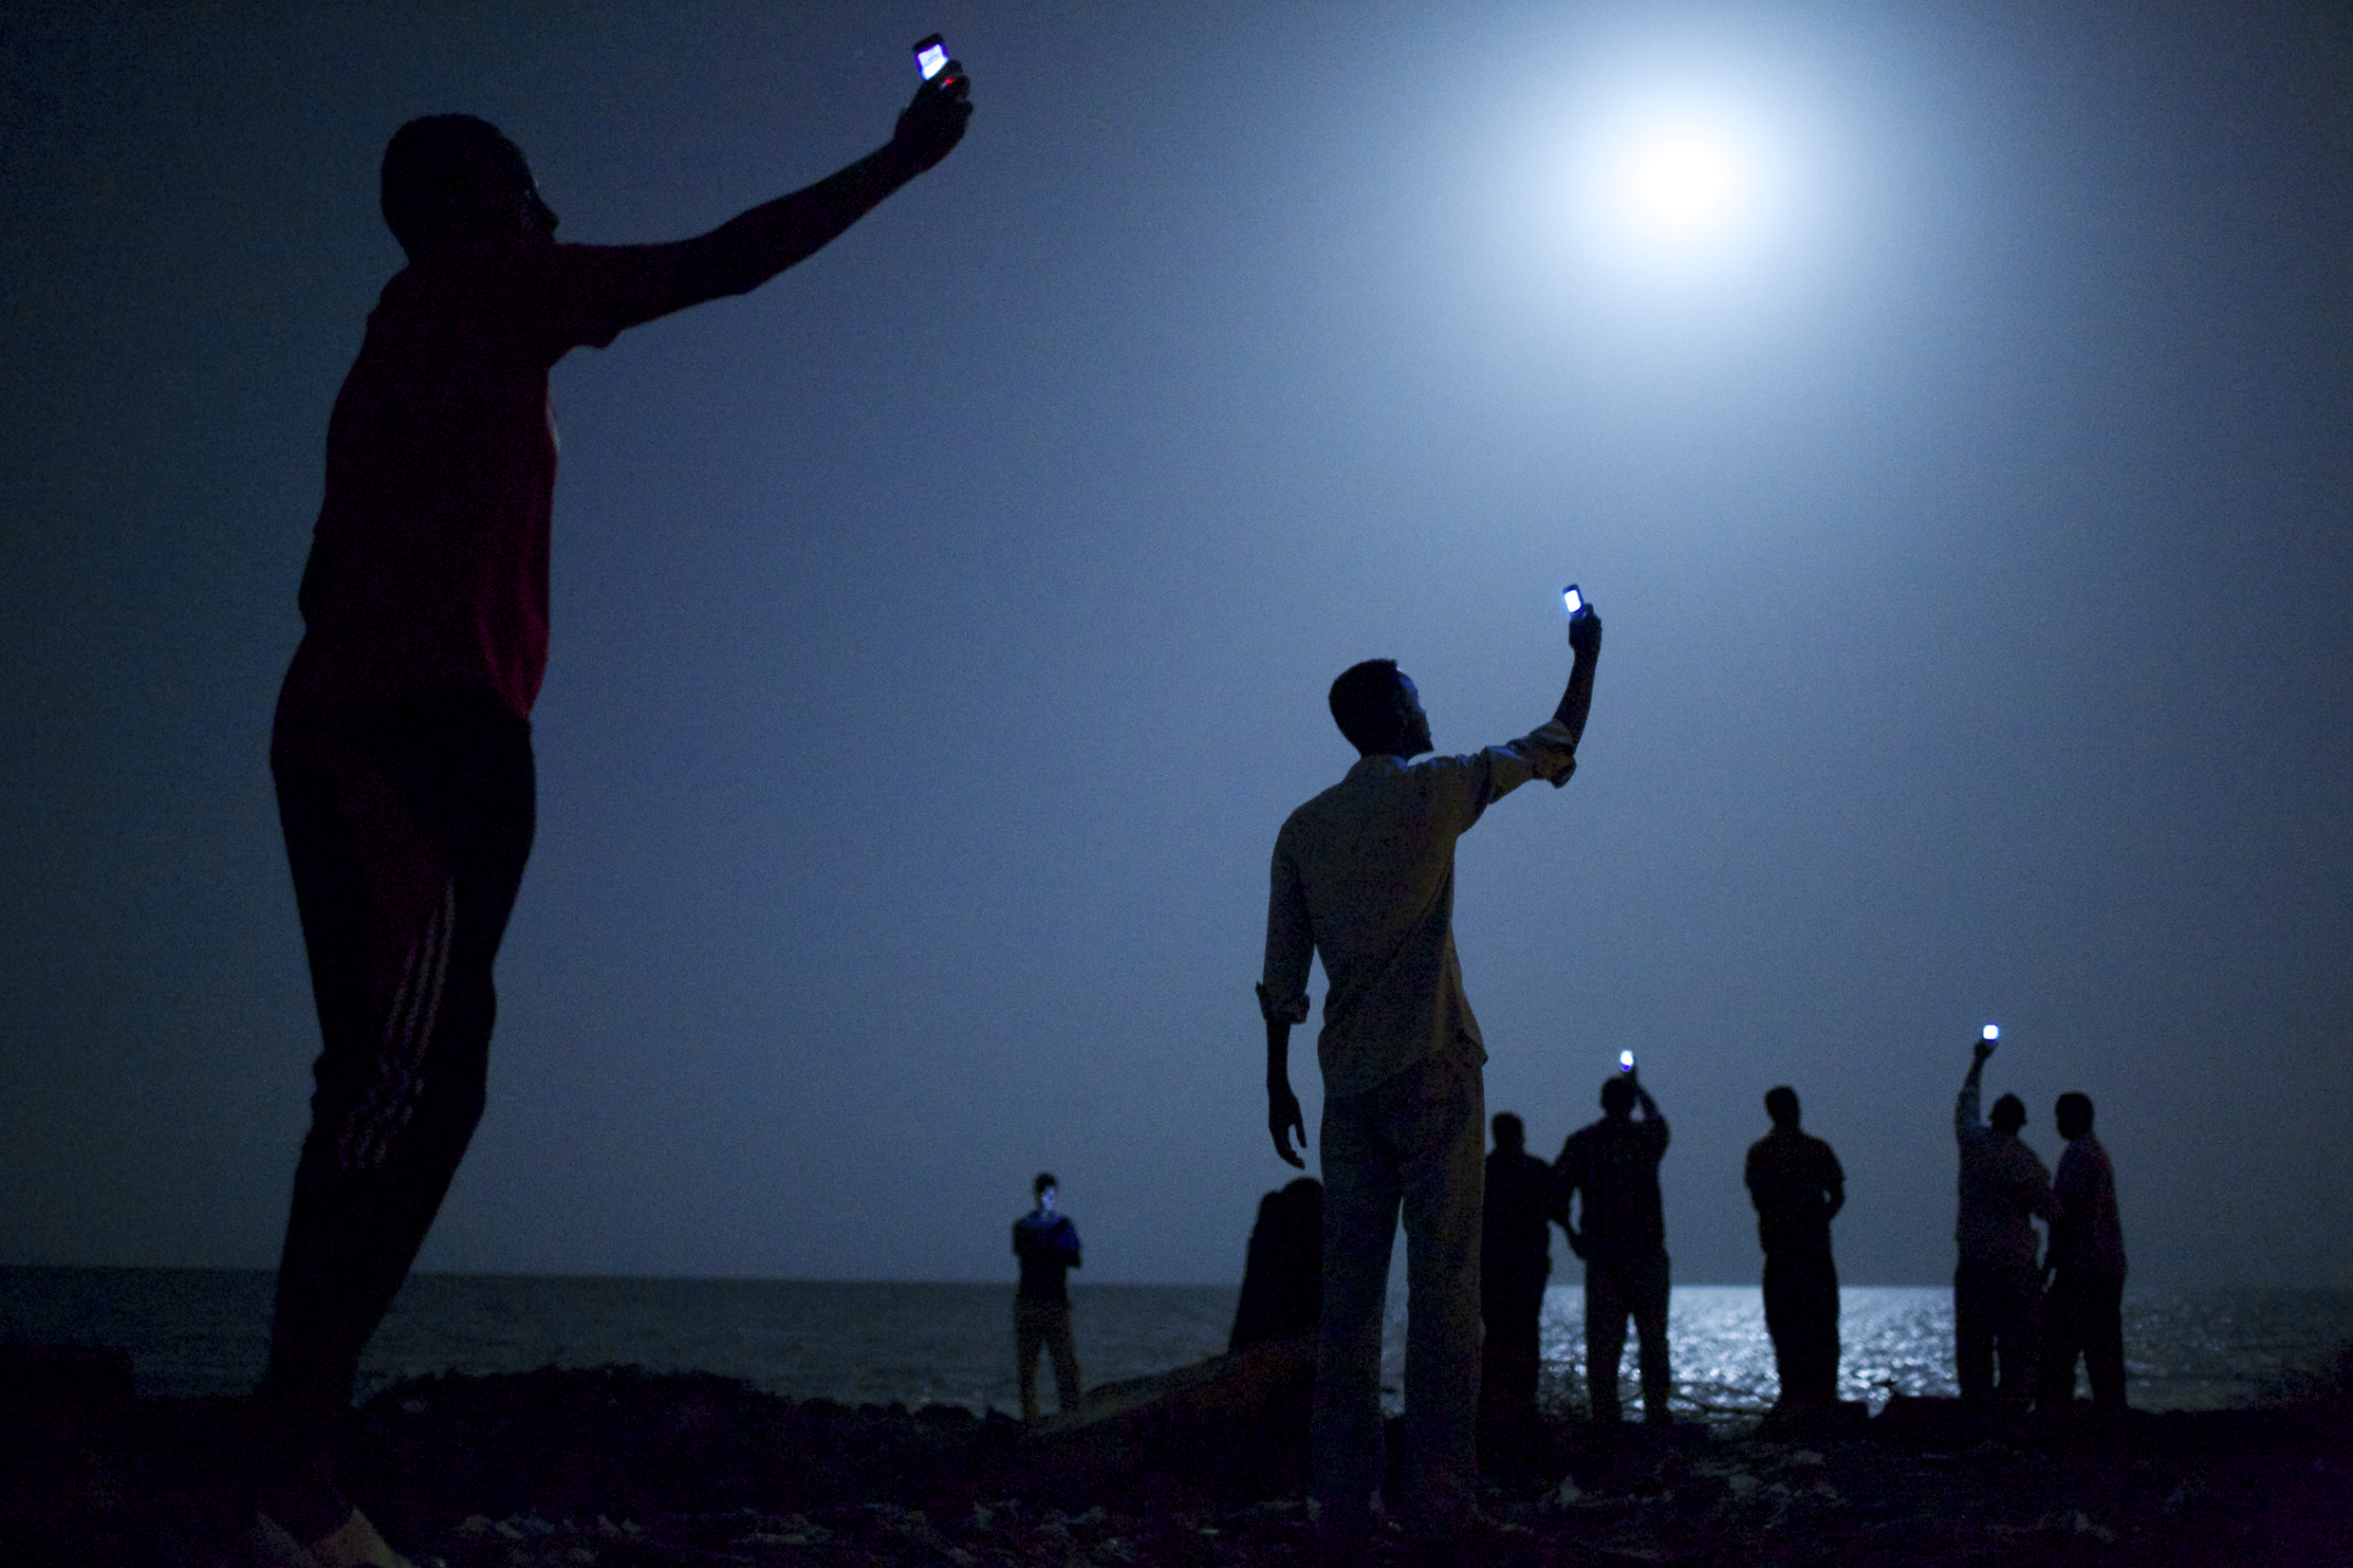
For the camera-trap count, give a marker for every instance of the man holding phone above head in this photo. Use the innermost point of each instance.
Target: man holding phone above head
(1364, 875)
(1609, 1171)
(402, 748)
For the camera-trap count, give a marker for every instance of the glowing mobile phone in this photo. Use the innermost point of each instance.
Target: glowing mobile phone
(1992, 1032)
(931, 56)
(1574, 601)
(1626, 1059)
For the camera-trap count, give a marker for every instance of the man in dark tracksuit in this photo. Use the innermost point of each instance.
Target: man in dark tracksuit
(402, 745)
(1048, 1245)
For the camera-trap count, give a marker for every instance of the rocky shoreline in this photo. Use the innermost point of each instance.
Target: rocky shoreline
(622, 1468)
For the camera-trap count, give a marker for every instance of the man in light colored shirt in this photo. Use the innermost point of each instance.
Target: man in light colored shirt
(1997, 1287)
(2083, 1312)
(1364, 875)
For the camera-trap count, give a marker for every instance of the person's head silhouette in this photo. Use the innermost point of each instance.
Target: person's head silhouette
(1781, 1105)
(2073, 1114)
(1378, 709)
(1618, 1096)
(1511, 1133)
(2008, 1113)
(451, 179)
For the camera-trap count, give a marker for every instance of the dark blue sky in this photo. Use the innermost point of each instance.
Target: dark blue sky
(942, 632)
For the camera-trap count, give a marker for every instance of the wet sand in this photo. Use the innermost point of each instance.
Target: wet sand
(622, 1468)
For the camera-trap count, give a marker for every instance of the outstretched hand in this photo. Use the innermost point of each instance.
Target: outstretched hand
(1585, 633)
(1984, 1049)
(930, 127)
(1284, 1119)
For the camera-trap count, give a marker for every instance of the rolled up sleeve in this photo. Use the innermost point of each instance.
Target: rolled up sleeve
(1290, 942)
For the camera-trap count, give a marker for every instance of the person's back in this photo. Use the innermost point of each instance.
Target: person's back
(2082, 1310)
(1996, 1290)
(1790, 1175)
(1608, 1169)
(1798, 1188)
(1515, 1260)
(1613, 1163)
(1282, 1273)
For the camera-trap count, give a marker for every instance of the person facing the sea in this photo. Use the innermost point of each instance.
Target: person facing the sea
(1996, 1287)
(2084, 1309)
(1621, 1235)
(1798, 1188)
(1363, 874)
(1282, 1273)
(1515, 1260)
(1048, 1245)
(402, 747)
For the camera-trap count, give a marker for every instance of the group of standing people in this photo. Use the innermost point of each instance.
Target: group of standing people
(1606, 1177)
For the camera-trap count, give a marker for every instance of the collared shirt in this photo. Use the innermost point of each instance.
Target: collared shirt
(1364, 875)
(2090, 1236)
(2002, 1184)
(1793, 1179)
(1614, 1162)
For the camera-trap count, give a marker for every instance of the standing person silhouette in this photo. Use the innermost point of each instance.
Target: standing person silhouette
(1621, 1235)
(1798, 1188)
(2084, 1309)
(1364, 875)
(1048, 1245)
(402, 744)
(1515, 1260)
(1996, 1287)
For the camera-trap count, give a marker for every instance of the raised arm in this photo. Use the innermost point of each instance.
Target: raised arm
(749, 249)
(1585, 638)
(1966, 1118)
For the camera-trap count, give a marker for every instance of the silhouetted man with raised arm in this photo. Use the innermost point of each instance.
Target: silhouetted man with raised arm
(402, 746)
(1996, 1286)
(1515, 1260)
(1364, 875)
(1621, 1235)
(2084, 1309)
(1798, 1188)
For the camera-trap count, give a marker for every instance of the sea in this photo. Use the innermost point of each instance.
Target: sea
(205, 1332)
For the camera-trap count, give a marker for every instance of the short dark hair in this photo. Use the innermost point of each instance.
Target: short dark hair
(1364, 703)
(1781, 1105)
(1510, 1119)
(2008, 1113)
(450, 178)
(2073, 1110)
(1617, 1092)
(1045, 1179)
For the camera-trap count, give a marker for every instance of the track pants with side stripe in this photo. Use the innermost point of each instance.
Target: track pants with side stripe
(407, 827)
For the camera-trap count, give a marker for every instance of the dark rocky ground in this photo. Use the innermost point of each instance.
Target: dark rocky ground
(620, 1468)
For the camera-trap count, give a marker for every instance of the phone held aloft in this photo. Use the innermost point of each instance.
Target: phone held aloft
(931, 59)
(1574, 599)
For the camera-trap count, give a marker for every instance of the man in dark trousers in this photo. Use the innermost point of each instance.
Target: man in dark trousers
(1997, 1294)
(1621, 1235)
(1363, 875)
(402, 746)
(1795, 1182)
(1048, 1245)
(1515, 1260)
(2084, 1309)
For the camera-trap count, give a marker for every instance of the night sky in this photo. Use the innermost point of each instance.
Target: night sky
(942, 632)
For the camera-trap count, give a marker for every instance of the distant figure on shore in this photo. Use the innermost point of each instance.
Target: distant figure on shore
(1795, 1182)
(402, 743)
(2084, 1309)
(1996, 1286)
(1364, 875)
(1621, 1235)
(1282, 1280)
(1515, 1260)
(1048, 1245)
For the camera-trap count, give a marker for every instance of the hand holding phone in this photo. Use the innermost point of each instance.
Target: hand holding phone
(1626, 1061)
